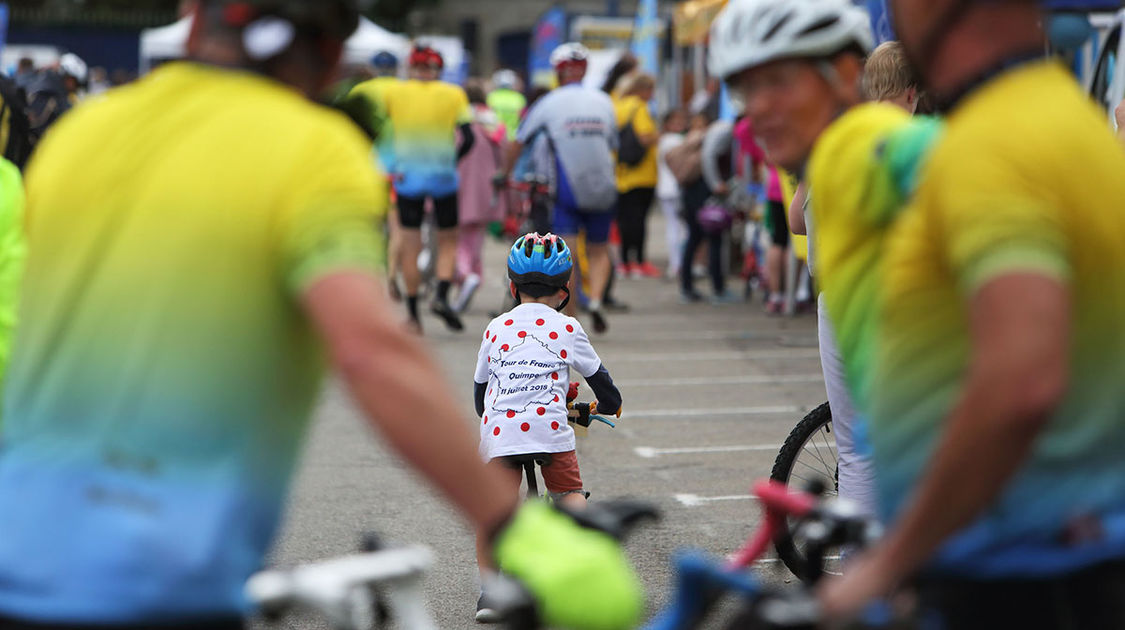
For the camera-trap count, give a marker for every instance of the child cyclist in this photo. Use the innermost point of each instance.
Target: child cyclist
(522, 376)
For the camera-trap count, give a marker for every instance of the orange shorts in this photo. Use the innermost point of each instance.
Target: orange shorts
(560, 476)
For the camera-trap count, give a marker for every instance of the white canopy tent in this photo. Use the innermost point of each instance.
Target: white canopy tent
(169, 42)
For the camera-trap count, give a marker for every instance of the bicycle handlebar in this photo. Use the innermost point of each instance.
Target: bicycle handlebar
(583, 413)
(340, 588)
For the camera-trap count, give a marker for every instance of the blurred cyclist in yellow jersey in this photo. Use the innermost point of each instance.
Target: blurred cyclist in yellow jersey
(430, 123)
(198, 241)
(996, 397)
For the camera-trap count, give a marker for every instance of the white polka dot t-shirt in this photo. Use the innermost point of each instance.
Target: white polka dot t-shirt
(525, 359)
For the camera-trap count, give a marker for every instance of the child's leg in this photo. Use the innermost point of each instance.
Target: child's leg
(484, 558)
(564, 481)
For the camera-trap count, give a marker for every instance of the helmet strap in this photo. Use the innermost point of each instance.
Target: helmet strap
(565, 301)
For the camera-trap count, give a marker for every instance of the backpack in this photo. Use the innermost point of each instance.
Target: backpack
(16, 137)
(630, 151)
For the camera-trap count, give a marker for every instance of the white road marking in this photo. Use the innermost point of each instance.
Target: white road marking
(743, 355)
(694, 500)
(760, 379)
(722, 411)
(649, 452)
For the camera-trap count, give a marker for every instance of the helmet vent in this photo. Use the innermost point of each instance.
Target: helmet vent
(777, 26)
(821, 25)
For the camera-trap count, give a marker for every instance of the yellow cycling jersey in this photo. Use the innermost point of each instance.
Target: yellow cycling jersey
(1027, 178)
(163, 370)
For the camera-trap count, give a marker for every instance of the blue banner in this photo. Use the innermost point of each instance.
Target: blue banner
(646, 37)
(881, 24)
(548, 35)
(3, 28)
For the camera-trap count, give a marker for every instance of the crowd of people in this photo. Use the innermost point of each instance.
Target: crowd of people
(200, 248)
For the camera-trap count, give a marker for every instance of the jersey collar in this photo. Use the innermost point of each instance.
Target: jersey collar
(947, 104)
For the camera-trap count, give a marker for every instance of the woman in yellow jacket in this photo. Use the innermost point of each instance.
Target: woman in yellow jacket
(636, 184)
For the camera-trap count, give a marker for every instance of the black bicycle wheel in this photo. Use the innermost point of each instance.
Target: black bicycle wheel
(808, 455)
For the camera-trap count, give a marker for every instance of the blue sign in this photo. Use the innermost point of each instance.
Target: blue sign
(646, 37)
(547, 36)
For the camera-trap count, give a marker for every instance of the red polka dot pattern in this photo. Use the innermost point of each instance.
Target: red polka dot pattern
(554, 426)
(569, 328)
(496, 431)
(509, 322)
(554, 335)
(493, 338)
(556, 398)
(504, 347)
(540, 322)
(522, 334)
(555, 375)
(525, 427)
(486, 419)
(486, 335)
(541, 410)
(562, 353)
(511, 414)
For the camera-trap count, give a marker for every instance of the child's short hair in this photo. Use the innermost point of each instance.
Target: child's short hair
(887, 74)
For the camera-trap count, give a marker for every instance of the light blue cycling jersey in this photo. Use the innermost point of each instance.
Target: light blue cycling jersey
(579, 123)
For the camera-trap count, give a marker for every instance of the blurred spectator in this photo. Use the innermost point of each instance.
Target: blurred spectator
(25, 73)
(55, 91)
(507, 100)
(706, 101)
(16, 138)
(99, 81)
(685, 161)
(668, 193)
(773, 219)
(636, 180)
(475, 195)
(624, 66)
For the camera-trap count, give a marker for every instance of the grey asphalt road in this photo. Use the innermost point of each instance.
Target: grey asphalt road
(710, 393)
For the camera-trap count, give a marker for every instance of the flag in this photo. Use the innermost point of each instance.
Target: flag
(547, 36)
(646, 37)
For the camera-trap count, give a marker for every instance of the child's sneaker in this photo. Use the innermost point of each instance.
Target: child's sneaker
(485, 612)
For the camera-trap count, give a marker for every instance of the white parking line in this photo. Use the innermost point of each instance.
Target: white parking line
(766, 379)
(722, 411)
(744, 355)
(694, 500)
(649, 452)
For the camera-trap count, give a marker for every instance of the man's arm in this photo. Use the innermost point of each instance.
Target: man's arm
(1020, 330)
(1119, 117)
(797, 211)
(403, 394)
(468, 139)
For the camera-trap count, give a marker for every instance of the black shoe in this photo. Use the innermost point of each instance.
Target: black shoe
(600, 323)
(485, 613)
(443, 310)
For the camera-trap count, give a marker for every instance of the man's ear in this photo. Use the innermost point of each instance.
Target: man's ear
(512, 288)
(849, 70)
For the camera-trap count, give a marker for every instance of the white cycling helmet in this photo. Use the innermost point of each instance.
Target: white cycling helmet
(749, 33)
(72, 65)
(505, 79)
(572, 52)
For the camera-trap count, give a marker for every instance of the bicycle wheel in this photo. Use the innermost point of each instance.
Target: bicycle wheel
(808, 454)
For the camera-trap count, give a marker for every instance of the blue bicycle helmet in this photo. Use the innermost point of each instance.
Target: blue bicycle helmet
(543, 262)
(385, 61)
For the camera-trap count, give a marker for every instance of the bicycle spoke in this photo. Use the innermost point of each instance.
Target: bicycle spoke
(817, 455)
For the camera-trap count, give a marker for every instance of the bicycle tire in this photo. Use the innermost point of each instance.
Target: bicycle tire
(814, 421)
